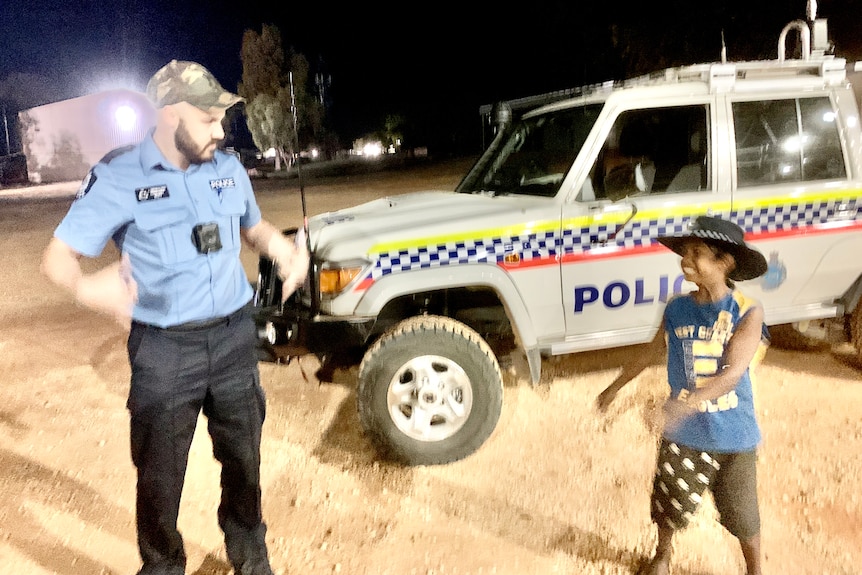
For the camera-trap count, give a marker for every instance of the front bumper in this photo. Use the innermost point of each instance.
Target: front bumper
(291, 331)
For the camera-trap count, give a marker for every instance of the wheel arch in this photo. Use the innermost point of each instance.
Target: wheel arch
(851, 297)
(379, 299)
(390, 288)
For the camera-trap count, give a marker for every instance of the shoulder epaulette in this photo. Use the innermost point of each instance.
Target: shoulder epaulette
(106, 159)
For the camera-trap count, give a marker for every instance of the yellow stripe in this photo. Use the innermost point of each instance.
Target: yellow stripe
(665, 212)
(511, 231)
(799, 198)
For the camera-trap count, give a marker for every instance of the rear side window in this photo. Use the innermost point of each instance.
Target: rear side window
(794, 140)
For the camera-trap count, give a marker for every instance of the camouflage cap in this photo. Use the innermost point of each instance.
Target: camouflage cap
(179, 81)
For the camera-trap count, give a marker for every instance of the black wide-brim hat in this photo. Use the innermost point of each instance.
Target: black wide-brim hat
(730, 238)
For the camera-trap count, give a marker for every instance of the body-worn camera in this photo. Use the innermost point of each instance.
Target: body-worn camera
(206, 238)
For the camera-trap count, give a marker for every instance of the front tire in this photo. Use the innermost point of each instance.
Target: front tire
(430, 391)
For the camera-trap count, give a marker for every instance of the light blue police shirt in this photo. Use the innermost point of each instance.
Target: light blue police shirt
(149, 208)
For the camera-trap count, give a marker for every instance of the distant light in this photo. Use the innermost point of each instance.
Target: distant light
(372, 149)
(314, 153)
(126, 117)
(270, 153)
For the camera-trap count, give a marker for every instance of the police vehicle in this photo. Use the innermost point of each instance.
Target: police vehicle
(548, 244)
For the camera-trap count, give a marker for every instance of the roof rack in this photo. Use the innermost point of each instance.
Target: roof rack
(815, 63)
(546, 98)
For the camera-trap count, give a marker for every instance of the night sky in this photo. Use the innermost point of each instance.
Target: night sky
(433, 62)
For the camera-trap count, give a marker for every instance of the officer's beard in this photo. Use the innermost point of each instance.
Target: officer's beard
(193, 153)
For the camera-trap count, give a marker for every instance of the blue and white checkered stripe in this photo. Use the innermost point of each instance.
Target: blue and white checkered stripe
(788, 216)
(639, 233)
(530, 247)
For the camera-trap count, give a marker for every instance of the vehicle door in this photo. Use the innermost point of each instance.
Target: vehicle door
(651, 170)
(793, 191)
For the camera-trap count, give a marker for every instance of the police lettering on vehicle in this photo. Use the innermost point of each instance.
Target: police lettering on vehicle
(618, 293)
(152, 193)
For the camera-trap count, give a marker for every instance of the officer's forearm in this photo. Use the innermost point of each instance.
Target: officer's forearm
(258, 237)
(61, 265)
(266, 239)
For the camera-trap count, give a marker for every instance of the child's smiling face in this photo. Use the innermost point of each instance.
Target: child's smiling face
(704, 264)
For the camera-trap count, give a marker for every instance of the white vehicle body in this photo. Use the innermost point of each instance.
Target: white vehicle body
(567, 254)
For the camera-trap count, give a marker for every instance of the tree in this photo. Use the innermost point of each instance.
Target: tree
(266, 86)
(263, 70)
(271, 124)
(392, 134)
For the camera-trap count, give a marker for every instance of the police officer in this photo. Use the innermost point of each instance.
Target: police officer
(177, 208)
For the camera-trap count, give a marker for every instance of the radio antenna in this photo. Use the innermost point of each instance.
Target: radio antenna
(296, 160)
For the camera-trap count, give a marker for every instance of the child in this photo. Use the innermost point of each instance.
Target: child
(710, 436)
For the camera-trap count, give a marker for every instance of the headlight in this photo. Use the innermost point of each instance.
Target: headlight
(270, 333)
(334, 278)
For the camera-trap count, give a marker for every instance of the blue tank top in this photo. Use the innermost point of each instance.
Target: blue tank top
(697, 335)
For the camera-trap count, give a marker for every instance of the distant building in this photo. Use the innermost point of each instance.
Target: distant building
(63, 139)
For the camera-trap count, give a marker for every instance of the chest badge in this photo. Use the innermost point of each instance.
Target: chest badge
(152, 193)
(221, 184)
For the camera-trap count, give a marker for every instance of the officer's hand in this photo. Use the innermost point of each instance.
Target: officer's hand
(111, 291)
(293, 270)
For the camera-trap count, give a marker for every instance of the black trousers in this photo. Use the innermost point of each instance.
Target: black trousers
(176, 374)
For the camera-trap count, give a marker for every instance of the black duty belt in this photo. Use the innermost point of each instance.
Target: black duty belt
(198, 325)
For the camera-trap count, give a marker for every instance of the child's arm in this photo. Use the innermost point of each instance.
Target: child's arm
(651, 355)
(740, 351)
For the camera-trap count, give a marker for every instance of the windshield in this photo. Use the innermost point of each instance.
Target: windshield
(533, 156)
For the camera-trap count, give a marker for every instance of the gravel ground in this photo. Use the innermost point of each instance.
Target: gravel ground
(557, 489)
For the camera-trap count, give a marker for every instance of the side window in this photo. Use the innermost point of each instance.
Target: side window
(546, 155)
(793, 140)
(537, 153)
(648, 152)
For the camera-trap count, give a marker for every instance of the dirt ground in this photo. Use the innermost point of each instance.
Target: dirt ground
(557, 489)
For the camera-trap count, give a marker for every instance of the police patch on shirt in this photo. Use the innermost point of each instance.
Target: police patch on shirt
(152, 193)
(88, 182)
(220, 184)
